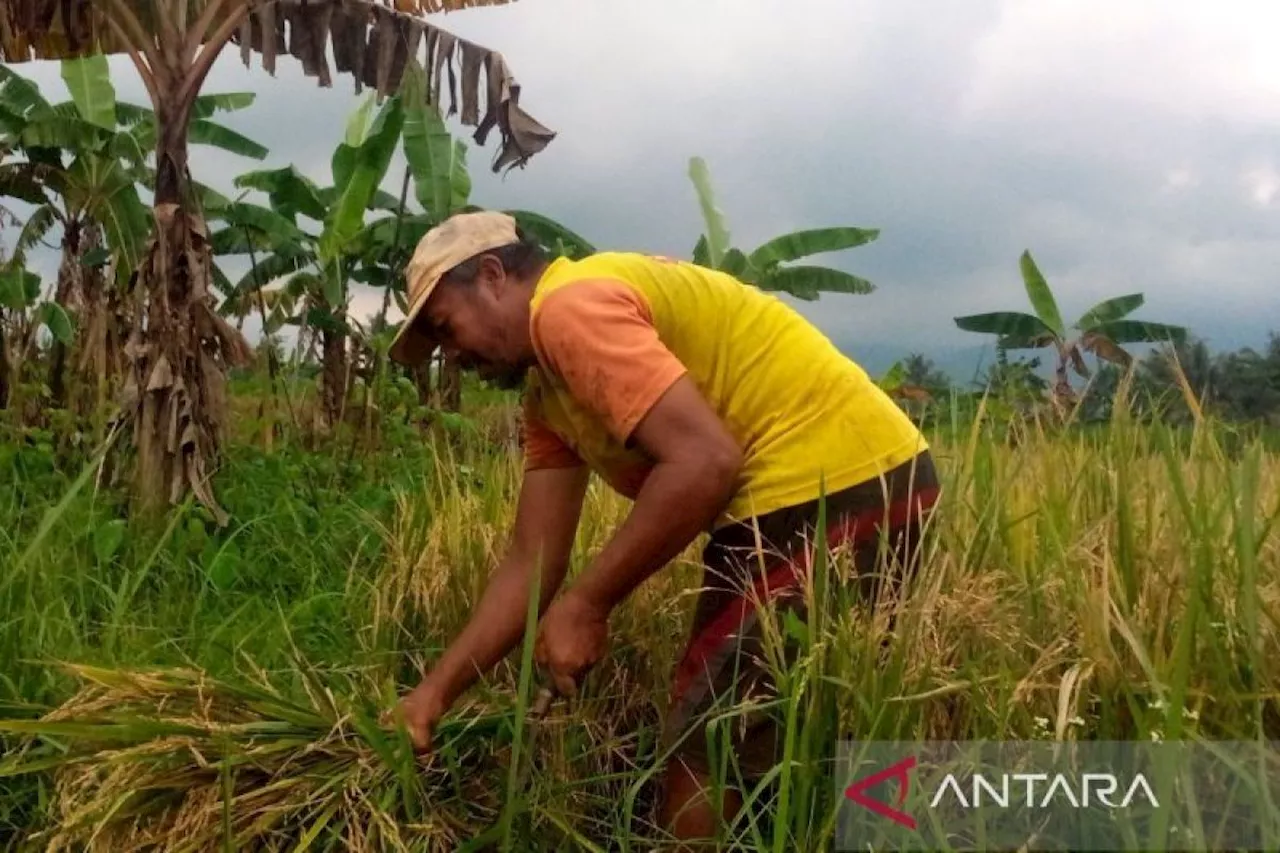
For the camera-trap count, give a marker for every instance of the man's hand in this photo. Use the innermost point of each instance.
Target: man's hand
(697, 464)
(422, 709)
(572, 638)
(546, 521)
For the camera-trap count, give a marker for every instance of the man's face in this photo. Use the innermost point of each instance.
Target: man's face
(478, 325)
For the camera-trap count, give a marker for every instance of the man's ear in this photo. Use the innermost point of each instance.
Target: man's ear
(492, 273)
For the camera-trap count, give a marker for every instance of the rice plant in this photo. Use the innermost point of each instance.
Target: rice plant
(1119, 584)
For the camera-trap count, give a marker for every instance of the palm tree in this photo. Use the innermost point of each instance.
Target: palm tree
(1101, 329)
(179, 358)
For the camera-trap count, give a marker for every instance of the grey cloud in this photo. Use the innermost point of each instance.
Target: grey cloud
(916, 117)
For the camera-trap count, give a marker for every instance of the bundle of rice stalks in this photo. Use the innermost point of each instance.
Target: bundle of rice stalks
(175, 760)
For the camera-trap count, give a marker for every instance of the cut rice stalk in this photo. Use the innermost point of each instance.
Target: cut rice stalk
(168, 759)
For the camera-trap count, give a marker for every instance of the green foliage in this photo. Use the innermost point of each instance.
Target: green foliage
(437, 161)
(1041, 296)
(20, 295)
(1016, 330)
(106, 191)
(338, 578)
(54, 317)
(554, 238)
(89, 82)
(324, 262)
(19, 289)
(1101, 329)
(359, 165)
(290, 192)
(1110, 309)
(763, 267)
(93, 151)
(808, 282)
(717, 234)
(203, 132)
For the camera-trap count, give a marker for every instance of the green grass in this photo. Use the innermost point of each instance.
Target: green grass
(1116, 582)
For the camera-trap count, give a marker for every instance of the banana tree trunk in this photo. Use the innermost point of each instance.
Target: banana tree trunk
(75, 283)
(101, 335)
(1063, 394)
(68, 271)
(334, 373)
(180, 349)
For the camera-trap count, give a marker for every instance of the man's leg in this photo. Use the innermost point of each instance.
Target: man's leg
(716, 674)
(688, 810)
(855, 516)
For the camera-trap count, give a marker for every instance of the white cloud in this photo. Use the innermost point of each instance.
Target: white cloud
(1191, 59)
(1262, 183)
(1181, 178)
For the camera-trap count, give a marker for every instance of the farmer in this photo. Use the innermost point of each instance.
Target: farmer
(714, 407)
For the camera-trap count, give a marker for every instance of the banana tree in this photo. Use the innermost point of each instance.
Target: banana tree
(898, 383)
(763, 266)
(107, 145)
(375, 255)
(176, 394)
(442, 187)
(96, 190)
(1101, 330)
(322, 263)
(23, 314)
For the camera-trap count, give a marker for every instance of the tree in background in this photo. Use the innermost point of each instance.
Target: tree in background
(81, 163)
(322, 264)
(1101, 330)
(181, 350)
(764, 266)
(1240, 386)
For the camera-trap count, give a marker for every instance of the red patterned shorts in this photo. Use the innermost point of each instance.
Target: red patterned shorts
(723, 663)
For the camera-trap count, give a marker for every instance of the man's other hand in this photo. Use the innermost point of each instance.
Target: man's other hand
(572, 638)
(422, 708)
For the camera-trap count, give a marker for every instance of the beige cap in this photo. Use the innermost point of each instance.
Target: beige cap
(458, 238)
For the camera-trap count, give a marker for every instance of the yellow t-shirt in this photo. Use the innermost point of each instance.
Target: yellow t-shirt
(613, 331)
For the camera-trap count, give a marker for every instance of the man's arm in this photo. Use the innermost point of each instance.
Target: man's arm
(598, 336)
(696, 469)
(546, 523)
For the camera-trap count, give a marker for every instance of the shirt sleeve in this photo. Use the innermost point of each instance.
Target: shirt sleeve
(598, 336)
(542, 447)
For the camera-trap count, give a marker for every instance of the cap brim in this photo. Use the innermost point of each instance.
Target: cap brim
(411, 345)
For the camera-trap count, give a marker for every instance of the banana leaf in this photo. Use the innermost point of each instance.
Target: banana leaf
(801, 244)
(1041, 296)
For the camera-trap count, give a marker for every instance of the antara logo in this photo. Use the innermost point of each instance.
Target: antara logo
(1000, 790)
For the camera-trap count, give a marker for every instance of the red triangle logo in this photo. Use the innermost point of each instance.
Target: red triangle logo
(900, 771)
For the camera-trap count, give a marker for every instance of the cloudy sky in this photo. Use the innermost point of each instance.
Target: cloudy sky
(1131, 146)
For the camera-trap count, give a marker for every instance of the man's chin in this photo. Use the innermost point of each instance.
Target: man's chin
(506, 378)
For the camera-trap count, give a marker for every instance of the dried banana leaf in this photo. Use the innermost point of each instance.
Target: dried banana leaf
(371, 41)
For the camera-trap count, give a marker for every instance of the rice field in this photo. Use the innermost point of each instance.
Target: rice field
(181, 687)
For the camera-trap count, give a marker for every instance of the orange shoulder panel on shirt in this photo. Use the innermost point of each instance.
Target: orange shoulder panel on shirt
(598, 337)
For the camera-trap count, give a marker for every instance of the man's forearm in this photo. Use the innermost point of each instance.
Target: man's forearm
(495, 628)
(678, 501)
